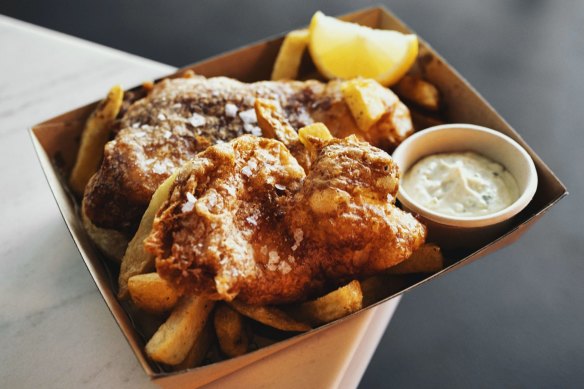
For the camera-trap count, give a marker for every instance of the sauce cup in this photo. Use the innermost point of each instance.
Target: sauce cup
(467, 231)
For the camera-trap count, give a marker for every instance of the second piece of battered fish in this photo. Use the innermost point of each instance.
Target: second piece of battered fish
(243, 220)
(181, 117)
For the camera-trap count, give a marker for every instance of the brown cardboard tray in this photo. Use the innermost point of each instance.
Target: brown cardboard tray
(57, 140)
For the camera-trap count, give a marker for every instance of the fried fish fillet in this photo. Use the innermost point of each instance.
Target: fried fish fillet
(244, 220)
(181, 117)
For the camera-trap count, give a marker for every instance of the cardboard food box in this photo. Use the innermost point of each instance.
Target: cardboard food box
(57, 140)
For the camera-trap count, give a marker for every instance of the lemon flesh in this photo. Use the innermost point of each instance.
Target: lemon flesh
(347, 50)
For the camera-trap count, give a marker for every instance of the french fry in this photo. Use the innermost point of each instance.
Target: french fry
(332, 306)
(231, 331)
(136, 260)
(427, 259)
(312, 132)
(198, 352)
(111, 242)
(380, 286)
(273, 124)
(262, 340)
(151, 293)
(270, 316)
(290, 55)
(419, 92)
(368, 101)
(95, 136)
(174, 339)
(316, 130)
(374, 288)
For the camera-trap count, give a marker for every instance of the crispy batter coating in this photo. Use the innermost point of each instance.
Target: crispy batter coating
(181, 117)
(346, 204)
(244, 220)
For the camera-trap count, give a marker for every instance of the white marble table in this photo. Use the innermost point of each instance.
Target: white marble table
(55, 330)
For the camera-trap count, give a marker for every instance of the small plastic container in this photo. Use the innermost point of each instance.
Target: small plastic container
(467, 231)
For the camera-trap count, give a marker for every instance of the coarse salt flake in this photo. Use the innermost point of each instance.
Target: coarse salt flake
(158, 168)
(248, 116)
(256, 131)
(190, 204)
(298, 236)
(212, 199)
(284, 267)
(197, 120)
(273, 256)
(273, 261)
(187, 207)
(180, 130)
(272, 267)
(246, 171)
(230, 110)
(230, 189)
(249, 100)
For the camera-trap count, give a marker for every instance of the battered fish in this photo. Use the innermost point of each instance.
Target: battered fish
(181, 117)
(244, 220)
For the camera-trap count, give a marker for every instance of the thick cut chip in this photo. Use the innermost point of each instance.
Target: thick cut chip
(136, 260)
(151, 293)
(290, 54)
(427, 259)
(274, 125)
(380, 286)
(231, 331)
(419, 92)
(176, 336)
(347, 50)
(199, 350)
(111, 242)
(270, 316)
(316, 131)
(333, 306)
(95, 135)
(374, 288)
(368, 101)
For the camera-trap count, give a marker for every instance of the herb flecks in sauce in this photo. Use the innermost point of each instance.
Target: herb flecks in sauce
(460, 184)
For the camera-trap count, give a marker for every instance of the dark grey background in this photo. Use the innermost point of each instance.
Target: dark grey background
(513, 319)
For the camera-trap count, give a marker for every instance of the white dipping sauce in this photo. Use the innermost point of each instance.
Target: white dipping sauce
(460, 184)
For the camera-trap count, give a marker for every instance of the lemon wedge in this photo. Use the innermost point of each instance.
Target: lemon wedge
(347, 50)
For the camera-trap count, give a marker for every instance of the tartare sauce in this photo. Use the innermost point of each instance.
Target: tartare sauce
(460, 184)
